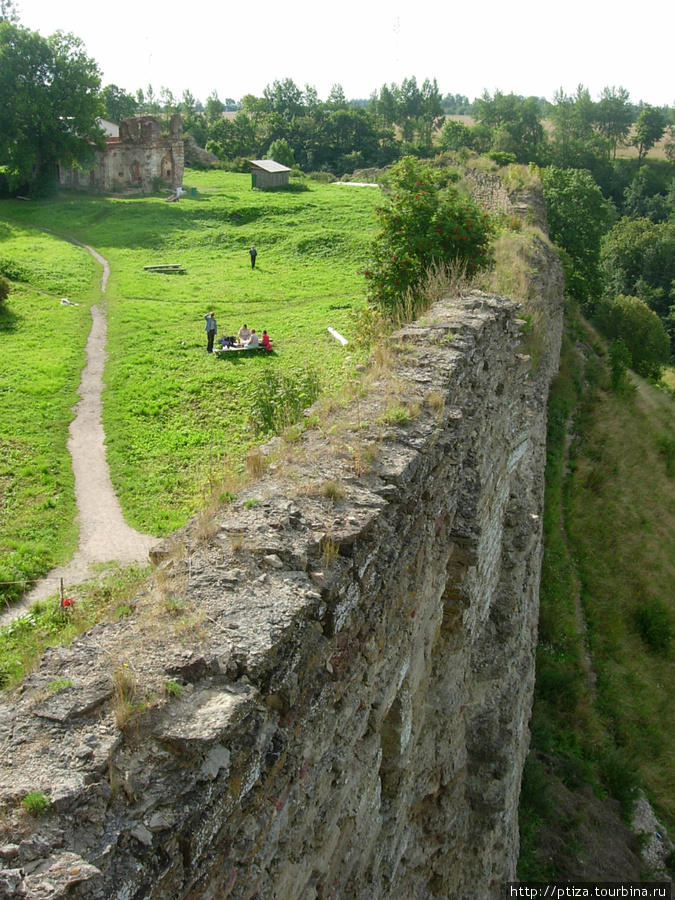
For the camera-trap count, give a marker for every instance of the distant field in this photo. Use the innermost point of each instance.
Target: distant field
(175, 418)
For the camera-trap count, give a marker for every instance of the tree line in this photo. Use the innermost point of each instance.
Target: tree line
(57, 97)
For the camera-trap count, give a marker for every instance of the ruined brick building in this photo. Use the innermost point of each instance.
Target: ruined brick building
(134, 160)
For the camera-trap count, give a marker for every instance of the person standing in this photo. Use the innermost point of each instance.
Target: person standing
(253, 253)
(211, 329)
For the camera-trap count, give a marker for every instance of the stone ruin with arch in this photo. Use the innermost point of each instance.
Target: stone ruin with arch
(134, 161)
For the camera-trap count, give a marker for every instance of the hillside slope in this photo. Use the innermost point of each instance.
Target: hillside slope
(602, 727)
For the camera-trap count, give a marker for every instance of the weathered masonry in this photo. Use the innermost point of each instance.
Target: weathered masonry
(136, 160)
(351, 657)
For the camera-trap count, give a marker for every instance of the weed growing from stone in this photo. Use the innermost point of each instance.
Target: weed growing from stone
(60, 684)
(36, 803)
(333, 491)
(395, 415)
(172, 688)
(125, 693)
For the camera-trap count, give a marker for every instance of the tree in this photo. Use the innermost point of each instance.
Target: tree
(515, 123)
(578, 217)
(422, 225)
(417, 112)
(170, 104)
(631, 320)
(51, 101)
(614, 116)
(233, 138)
(456, 135)
(336, 98)
(147, 102)
(284, 97)
(456, 105)
(8, 11)
(645, 197)
(346, 140)
(638, 258)
(118, 104)
(281, 153)
(649, 129)
(214, 108)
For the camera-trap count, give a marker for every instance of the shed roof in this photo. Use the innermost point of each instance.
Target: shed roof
(269, 165)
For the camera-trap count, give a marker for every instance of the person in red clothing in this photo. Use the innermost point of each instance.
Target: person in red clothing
(265, 341)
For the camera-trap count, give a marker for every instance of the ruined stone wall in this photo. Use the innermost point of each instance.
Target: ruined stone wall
(354, 636)
(140, 156)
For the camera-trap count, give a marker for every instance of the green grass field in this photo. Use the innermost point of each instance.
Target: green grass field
(42, 352)
(176, 419)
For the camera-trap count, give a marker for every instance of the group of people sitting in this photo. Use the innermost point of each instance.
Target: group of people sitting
(247, 338)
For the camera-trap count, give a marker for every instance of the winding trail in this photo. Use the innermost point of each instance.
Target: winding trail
(105, 537)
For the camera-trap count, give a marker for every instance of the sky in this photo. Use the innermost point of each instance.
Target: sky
(529, 48)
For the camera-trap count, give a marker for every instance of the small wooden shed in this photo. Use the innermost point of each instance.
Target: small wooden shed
(266, 173)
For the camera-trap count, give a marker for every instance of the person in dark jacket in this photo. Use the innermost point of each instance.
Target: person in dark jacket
(253, 253)
(211, 329)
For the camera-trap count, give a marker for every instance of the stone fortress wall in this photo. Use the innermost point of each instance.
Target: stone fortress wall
(359, 670)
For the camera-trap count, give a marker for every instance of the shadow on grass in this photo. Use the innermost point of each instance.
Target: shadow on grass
(8, 319)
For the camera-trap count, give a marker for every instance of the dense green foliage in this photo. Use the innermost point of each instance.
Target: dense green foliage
(638, 258)
(50, 103)
(515, 123)
(640, 329)
(578, 218)
(423, 223)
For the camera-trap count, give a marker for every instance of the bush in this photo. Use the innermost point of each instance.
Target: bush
(652, 622)
(641, 330)
(322, 177)
(422, 226)
(620, 360)
(36, 803)
(281, 152)
(502, 158)
(278, 400)
(4, 289)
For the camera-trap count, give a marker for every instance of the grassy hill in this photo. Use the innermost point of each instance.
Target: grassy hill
(178, 422)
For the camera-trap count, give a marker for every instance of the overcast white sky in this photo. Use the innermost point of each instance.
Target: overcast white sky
(530, 47)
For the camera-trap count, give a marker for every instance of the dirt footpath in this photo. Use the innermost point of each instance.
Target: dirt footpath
(104, 535)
